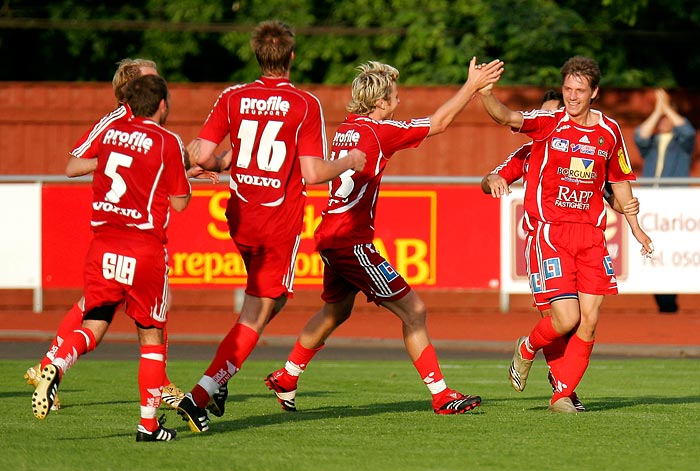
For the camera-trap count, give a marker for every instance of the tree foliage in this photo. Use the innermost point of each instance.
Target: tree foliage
(636, 42)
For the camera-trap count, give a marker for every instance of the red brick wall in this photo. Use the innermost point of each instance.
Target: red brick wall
(40, 122)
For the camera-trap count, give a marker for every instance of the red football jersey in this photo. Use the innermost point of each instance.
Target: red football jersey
(85, 143)
(349, 216)
(569, 166)
(139, 165)
(271, 124)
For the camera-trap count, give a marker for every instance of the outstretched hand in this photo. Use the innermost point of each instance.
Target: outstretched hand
(484, 75)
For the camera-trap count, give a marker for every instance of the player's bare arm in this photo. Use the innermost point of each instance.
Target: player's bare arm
(179, 203)
(316, 170)
(623, 193)
(479, 76)
(499, 112)
(78, 167)
(203, 153)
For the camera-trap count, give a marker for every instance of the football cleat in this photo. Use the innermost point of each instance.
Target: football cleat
(161, 434)
(33, 376)
(519, 367)
(195, 416)
(574, 397)
(564, 405)
(456, 403)
(217, 403)
(286, 397)
(45, 392)
(172, 395)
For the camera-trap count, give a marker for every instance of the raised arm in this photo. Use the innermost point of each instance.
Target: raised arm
(479, 76)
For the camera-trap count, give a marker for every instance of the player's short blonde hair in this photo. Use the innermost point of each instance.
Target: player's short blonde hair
(127, 70)
(373, 82)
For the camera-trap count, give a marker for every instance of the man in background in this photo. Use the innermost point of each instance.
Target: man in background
(665, 140)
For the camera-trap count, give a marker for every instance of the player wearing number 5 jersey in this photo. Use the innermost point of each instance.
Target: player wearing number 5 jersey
(344, 237)
(278, 145)
(139, 173)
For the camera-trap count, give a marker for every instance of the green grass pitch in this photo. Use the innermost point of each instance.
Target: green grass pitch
(643, 414)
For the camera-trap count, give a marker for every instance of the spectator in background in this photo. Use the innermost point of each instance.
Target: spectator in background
(665, 140)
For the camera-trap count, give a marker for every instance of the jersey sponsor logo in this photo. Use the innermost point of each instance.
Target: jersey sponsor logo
(579, 168)
(138, 141)
(603, 153)
(258, 181)
(111, 208)
(552, 268)
(272, 106)
(560, 144)
(574, 199)
(348, 137)
(584, 140)
(622, 159)
(583, 149)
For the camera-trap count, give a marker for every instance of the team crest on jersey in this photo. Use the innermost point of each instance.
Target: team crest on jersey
(601, 141)
(622, 159)
(560, 144)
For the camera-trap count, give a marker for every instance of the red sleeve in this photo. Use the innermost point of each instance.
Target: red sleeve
(398, 135)
(513, 168)
(619, 167)
(217, 125)
(175, 172)
(312, 132)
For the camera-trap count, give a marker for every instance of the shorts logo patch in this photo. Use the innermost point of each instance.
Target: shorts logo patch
(388, 271)
(607, 263)
(536, 283)
(552, 268)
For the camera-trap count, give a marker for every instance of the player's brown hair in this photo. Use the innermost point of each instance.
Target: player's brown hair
(127, 70)
(144, 94)
(273, 44)
(580, 66)
(373, 83)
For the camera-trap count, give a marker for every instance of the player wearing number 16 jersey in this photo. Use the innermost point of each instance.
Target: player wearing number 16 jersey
(278, 145)
(344, 237)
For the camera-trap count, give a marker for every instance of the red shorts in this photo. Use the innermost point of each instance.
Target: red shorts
(270, 268)
(360, 268)
(120, 268)
(565, 259)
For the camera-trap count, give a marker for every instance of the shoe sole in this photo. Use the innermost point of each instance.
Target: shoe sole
(47, 387)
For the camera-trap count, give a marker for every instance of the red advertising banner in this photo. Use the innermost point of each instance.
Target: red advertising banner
(443, 237)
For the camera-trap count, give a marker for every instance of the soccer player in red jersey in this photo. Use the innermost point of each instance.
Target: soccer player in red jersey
(345, 235)
(139, 173)
(497, 183)
(575, 151)
(127, 70)
(277, 135)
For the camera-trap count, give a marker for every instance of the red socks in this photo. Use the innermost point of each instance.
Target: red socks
(429, 370)
(79, 342)
(541, 336)
(573, 366)
(151, 373)
(232, 352)
(71, 321)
